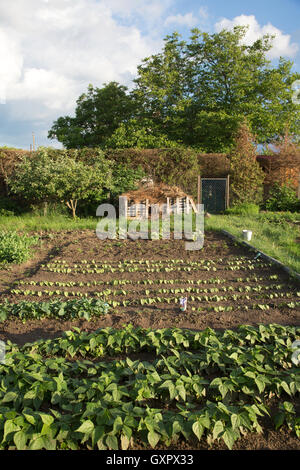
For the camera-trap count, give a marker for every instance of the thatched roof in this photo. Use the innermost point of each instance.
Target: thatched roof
(156, 194)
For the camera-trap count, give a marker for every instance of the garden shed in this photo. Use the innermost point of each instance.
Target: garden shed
(160, 198)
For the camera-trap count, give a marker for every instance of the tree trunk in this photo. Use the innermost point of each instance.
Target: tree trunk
(45, 208)
(72, 204)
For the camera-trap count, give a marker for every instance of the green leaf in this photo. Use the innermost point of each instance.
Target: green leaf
(235, 421)
(47, 419)
(20, 440)
(198, 429)
(86, 427)
(229, 437)
(9, 396)
(279, 419)
(153, 438)
(9, 427)
(218, 429)
(37, 444)
(30, 418)
(285, 387)
(260, 384)
(112, 442)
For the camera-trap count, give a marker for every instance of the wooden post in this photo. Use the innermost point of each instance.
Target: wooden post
(199, 190)
(227, 192)
(177, 205)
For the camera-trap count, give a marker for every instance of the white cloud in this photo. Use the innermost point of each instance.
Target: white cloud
(51, 50)
(282, 45)
(183, 20)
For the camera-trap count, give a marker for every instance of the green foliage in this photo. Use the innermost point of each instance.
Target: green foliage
(247, 176)
(15, 248)
(98, 113)
(9, 207)
(125, 179)
(282, 198)
(60, 177)
(173, 166)
(193, 93)
(83, 308)
(243, 209)
(212, 385)
(133, 134)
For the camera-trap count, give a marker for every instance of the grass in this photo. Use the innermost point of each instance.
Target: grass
(37, 223)
(275, 234)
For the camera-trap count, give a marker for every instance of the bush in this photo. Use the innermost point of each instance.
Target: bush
(9, 207)
(15, 248)
(282, 198)
(244, 209)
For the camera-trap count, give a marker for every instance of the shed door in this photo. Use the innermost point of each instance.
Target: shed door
(213, 193)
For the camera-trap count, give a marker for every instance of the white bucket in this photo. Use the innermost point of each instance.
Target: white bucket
(247, 234)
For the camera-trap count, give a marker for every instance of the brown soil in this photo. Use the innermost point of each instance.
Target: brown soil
(74, 247)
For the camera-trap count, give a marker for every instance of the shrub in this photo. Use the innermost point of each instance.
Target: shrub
(15, 248)
(282, 198)
(247, 176)
(244, 209)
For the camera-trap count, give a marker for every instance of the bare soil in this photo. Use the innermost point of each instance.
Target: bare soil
(74, 247)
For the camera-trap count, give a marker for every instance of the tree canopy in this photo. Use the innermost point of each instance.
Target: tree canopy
(193, 93)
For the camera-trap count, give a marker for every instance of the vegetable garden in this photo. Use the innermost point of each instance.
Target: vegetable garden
(99, 355)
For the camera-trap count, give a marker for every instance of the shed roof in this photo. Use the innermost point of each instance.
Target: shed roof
(156, 194)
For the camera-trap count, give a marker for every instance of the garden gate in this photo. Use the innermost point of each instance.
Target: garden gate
(214, 194)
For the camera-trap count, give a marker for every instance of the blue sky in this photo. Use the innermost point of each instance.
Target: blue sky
(50, 50)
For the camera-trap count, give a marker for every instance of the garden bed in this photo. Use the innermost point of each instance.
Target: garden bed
(135, 374)
(143, 280)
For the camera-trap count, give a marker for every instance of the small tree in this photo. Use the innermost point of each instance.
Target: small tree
(44, 178)
(32, 179)
(76, 181)
(284, 162)
(247, 176)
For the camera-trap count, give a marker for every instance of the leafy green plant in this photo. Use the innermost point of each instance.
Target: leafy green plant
(282, 198)
(246, 208)
(83, 308)
(210, 385)
(15, 248)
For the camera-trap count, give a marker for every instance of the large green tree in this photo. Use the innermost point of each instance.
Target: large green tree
(201, 91)
(194, 93)
(98, 113)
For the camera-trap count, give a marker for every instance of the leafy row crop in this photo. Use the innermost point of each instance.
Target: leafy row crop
(128, 262)
(15, 248)
(245, 288)
(150, 300)
(143, 265)
(116, 282)
(195, 385)
(73, 309)
(158, 268)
